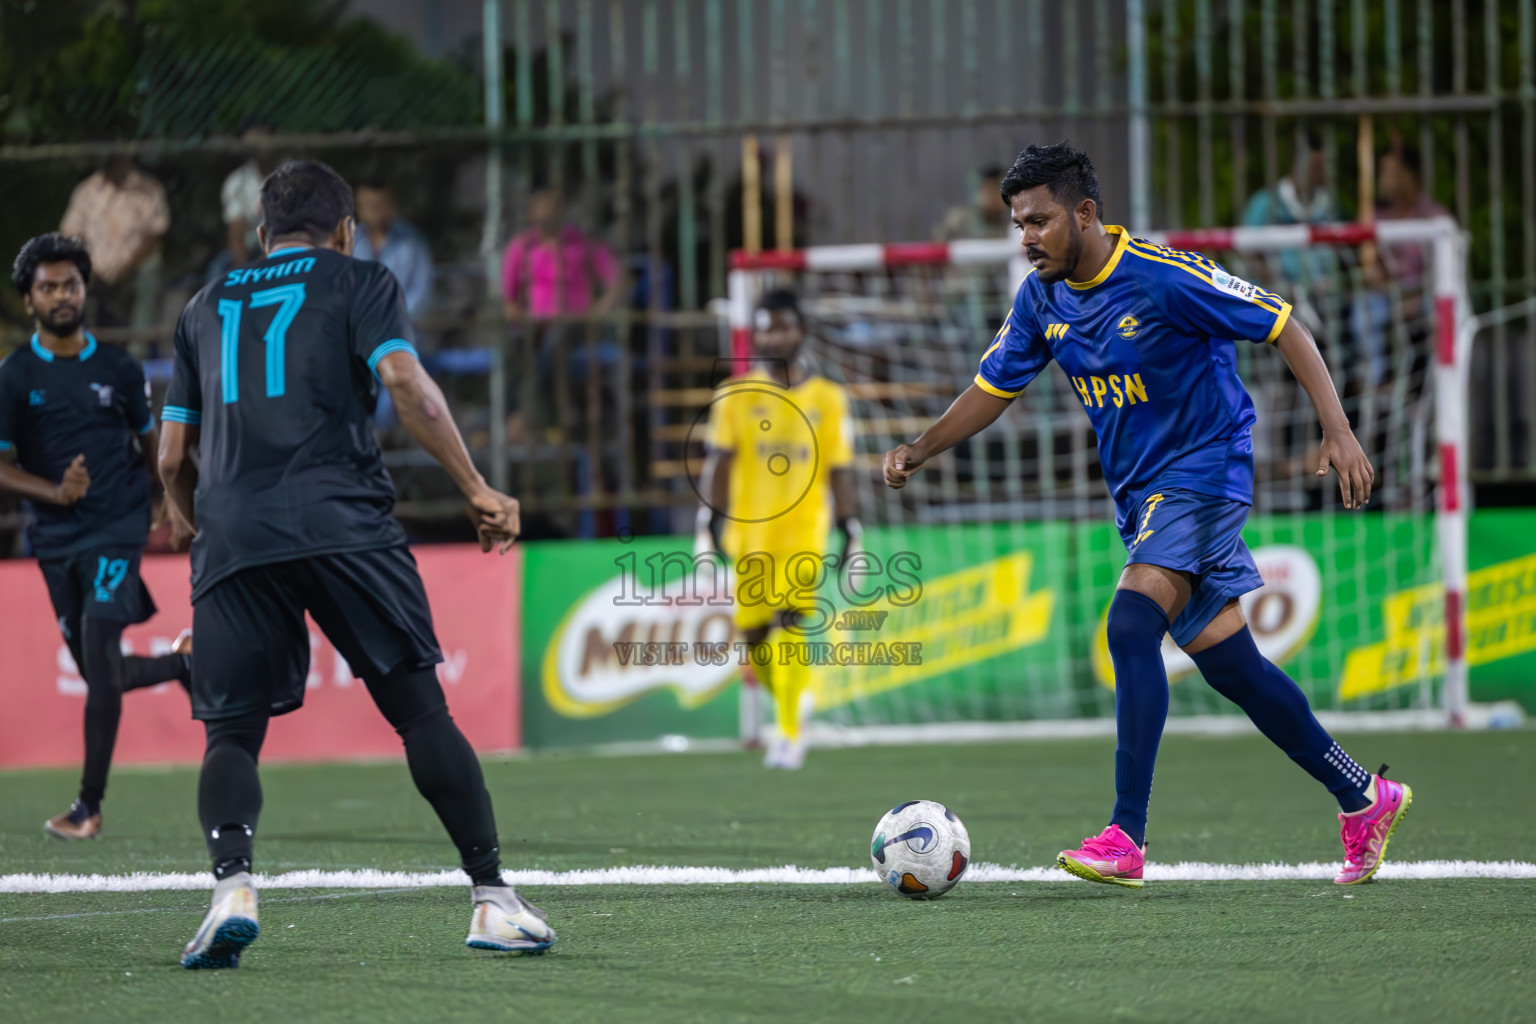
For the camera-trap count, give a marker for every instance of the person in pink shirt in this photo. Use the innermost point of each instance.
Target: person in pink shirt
(555, 269)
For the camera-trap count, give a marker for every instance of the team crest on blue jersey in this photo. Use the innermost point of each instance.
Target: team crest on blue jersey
(36, 396)
(103, 394)
(1128, 326)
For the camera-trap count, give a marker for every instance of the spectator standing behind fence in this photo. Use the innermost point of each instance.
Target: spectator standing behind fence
(1395, 286)
(241, 199)
(985, 216)
(388, 239)
(121, 214)
(554, 268)
(1300, 197)
(1400, 184)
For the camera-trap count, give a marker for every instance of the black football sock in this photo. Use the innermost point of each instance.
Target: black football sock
(229, 791)
(447, 772)
(444, 767)
(101, 661)
(139, 672)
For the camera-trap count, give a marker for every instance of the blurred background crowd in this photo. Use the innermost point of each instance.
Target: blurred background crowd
(557, 185)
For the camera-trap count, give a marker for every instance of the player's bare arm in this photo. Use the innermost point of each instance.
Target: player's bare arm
(1340, 449)
(160, 505)
(424, 413)
(971, 413)
(77, 480)
(160, 502)
(178, 470)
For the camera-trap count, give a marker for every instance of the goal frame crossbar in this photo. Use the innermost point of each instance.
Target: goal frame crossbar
(1452, 348)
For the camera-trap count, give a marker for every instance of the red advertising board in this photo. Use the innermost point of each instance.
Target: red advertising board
(475, 607)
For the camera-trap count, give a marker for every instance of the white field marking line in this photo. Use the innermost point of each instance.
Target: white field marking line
(1185, 871)
(196, 909)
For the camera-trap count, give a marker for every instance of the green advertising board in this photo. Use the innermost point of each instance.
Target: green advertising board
(1501, 606)
(1326, 578)
(994, 622)
(580, 683)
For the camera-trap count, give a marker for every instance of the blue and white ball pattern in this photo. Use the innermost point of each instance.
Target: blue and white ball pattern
(921, 849)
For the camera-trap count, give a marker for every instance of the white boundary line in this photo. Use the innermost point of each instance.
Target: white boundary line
(1184, 871)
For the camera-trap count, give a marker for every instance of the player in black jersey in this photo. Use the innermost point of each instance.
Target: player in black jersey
(278, 368)
(75, 415)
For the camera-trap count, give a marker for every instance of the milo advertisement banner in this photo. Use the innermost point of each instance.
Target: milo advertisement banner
(633, 641)
(603, 665)
(1501, 607)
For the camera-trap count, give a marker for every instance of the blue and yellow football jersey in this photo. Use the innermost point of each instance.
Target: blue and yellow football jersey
(1147, 344)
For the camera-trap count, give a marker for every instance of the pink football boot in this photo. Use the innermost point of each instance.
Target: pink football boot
(1365, 833)
(1108, 857)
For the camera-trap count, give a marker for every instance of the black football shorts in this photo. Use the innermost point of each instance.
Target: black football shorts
(251, 646)
(101, 583)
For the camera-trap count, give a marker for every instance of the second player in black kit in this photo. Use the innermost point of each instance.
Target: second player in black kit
(75, 415)
(277, 372)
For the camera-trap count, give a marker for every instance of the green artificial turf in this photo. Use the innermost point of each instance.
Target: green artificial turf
(1456, 949)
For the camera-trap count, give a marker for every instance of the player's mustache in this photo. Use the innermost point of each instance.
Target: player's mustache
(1036, 254)
(59, 311)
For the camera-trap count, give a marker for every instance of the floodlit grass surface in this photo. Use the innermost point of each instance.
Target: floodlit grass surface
(1457, 949)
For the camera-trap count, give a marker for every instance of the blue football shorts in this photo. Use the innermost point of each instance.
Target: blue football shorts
(1199, 534)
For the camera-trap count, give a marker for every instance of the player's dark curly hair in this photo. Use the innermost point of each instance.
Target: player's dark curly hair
(50, 248)
(1066, 169)
(305, 197)
(782, 298)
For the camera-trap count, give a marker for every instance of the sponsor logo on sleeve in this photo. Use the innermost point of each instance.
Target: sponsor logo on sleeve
(1233, 285)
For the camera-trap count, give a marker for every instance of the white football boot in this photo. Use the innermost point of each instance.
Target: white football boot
(229, 927)
(784, 753)
(503, 920)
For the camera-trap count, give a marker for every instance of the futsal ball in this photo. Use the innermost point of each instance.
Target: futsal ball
(921, 849)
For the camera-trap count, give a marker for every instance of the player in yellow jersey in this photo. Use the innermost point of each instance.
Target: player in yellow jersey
(780, 466)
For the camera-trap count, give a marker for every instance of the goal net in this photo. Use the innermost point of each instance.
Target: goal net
(1011, 537)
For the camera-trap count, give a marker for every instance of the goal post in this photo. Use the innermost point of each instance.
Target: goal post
(1367, 610)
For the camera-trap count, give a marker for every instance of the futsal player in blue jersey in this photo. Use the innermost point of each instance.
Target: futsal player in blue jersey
(1147, 337)
(74, 416)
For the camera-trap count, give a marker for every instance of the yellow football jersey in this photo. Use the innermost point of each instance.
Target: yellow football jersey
(786, 442)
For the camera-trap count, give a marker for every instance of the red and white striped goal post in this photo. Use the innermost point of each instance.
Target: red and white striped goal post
(1452, 346)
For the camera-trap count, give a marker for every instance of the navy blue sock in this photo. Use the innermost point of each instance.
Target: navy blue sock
(1136, 627)
(1236, 670)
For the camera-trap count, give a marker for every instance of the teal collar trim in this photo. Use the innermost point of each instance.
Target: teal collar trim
(47, 356)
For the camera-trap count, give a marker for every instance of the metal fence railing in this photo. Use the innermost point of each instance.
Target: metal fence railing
(679, 130)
